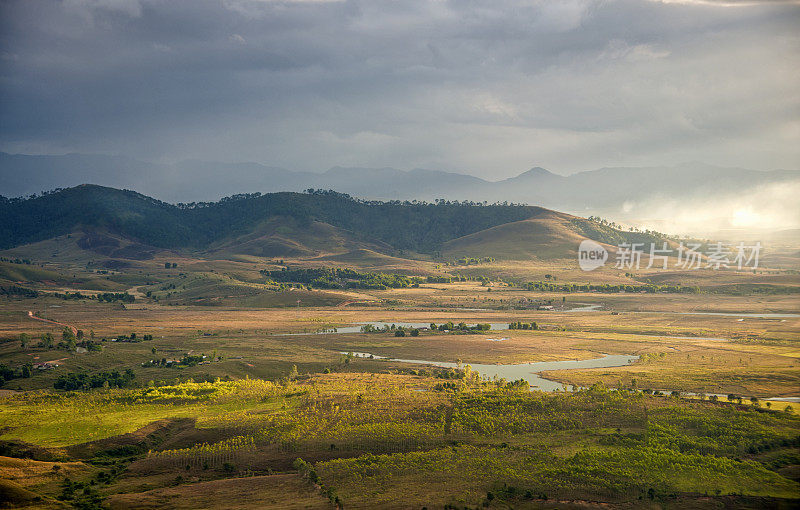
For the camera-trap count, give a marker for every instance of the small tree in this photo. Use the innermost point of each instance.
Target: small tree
(24, 340)
(47, 341)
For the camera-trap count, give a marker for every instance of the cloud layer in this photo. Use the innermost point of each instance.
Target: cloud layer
(487, 88)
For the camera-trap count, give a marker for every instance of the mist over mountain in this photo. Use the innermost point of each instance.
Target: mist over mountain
(697, 194)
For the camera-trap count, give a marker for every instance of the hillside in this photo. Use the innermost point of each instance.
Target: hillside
(280, 236)
(88, 222)
(413, 226)
(548, 235)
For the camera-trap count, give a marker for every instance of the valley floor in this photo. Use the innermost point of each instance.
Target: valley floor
(277, 399)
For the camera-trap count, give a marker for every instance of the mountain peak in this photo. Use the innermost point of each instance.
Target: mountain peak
(536, 172)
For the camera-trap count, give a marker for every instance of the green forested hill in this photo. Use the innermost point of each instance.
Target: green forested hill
(413, 226)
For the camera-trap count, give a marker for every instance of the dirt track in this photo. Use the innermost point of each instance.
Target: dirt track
(34, 317)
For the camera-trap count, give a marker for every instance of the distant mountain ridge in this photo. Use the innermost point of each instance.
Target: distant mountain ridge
(584, 193)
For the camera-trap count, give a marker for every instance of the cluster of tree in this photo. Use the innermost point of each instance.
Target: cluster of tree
(133, 338)
(18, 291)
(70, 340)
(71, 296)
(8, 373)
(86, 381)
(369, 328)
(17, 260)
(109, 297)
(46, 342)
(523, 325)
(186, 361)
(437, 201)
(86, 495)
(398, 330)
(613, 234)
(337, 278)
(168, 265)
(461, 326)
(471, 261)
(451, 373)
(447, 386)
(439, 279)
(609, 288)
(617, 226)
(116, 296)
(89, 345)
(401, 332)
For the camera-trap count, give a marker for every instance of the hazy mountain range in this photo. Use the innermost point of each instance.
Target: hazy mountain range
(658, 194)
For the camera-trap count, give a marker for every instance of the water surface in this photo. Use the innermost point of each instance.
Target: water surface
(526, 371)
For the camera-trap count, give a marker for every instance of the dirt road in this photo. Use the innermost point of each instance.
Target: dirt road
(34, 317)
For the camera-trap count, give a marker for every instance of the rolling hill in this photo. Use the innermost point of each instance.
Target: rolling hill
(281, 236)
(125, 225)
(548, 235)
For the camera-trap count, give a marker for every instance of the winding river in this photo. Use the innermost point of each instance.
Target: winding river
(527, 371)
(530, 371)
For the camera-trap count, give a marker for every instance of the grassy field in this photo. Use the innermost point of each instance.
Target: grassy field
(702, 353)
(276, 415)
(367, 439)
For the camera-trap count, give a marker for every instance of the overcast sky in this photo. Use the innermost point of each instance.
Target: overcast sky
(489, 88)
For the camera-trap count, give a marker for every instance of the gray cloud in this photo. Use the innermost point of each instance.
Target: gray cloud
(488, 88)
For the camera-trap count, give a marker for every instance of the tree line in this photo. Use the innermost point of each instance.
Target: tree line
(610, 288)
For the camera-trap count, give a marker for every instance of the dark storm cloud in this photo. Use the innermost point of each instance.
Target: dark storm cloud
(489, 88)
